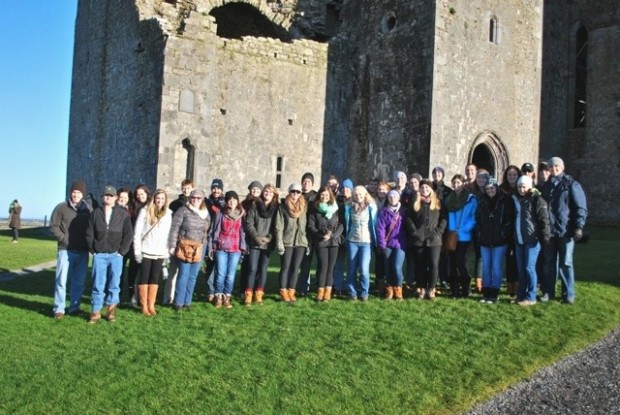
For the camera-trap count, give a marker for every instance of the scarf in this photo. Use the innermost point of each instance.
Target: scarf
(266, 211)
(234, 214)
(456, 201)
(327, 209)
(394, 208)
(295, 209)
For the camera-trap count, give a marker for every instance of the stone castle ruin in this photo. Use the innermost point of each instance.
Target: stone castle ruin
(269, 89)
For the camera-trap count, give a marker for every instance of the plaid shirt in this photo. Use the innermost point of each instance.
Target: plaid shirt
(228, 234)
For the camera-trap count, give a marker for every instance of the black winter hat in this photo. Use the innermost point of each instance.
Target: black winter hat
(231, 194)
(308, 175)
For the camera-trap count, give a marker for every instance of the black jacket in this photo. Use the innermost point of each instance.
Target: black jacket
(115, 237)
(494, 220)
(68, 225)
(425, 227)
(531, 219)
(318, 225)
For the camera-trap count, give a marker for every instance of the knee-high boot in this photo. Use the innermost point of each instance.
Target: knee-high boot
(143, 290)
(152, 296)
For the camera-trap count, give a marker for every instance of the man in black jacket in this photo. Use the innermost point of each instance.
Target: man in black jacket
(109, 235)
(68, 224)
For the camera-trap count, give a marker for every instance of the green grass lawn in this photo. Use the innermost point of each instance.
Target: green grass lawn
(35, 246)
(414, 357)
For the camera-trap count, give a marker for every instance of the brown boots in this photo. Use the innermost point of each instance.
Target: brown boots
(398, 293)
(479, 285)
(247, 298)
(389, 292)
(143, 293)
(284, 295)
(328, 294)
(320, 294)
(258, 296)
(148, 295)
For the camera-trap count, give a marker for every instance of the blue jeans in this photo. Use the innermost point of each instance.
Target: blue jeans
(526, 256)
(493, 265)
(559, 254)
(69, 265)
(358, 255)
(394, 260)
(226, 265)
(107, 270)
(186, 281)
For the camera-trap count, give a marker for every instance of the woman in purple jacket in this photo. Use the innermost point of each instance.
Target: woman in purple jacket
(392, 242)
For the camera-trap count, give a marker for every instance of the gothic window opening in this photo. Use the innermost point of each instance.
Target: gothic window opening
(235, 20)
(493, 30)
(581, 78)
(191, 154)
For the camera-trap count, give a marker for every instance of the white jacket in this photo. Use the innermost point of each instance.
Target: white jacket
(151, 240)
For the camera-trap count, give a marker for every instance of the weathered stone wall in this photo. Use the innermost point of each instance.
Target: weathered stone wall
(116, 96)
(379, 89)
(483, 87)
(591, 154)
(254, 100)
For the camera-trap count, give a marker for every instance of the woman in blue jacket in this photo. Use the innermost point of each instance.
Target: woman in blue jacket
(461, 206)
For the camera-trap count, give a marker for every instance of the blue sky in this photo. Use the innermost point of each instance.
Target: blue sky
(36, 56)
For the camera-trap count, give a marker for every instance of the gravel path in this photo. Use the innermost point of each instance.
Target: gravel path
(587, 382)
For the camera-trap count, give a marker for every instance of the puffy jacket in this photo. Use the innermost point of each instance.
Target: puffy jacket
(395, 220)
(152, 239)
(187, 224)
(567, 205)
(531, 218)
(68, 224)
(425, 227)
(109, 238)
(318, 225)
(494, 220)
(464, 219)
(260, 222)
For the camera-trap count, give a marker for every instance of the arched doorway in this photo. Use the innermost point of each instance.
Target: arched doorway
(488, 152)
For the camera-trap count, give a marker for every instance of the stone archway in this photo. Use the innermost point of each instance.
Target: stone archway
(488, 152)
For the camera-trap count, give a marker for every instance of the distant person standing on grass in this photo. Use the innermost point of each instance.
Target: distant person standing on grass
(15, 222)
(109, 235)
(68, 224)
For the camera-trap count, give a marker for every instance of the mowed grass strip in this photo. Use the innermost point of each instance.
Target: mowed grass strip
(413, 357)
(35, 246)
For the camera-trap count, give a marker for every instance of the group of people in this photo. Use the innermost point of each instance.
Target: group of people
(419, 230)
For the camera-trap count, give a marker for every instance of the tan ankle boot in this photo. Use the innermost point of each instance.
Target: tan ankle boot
(143, 292)
(328, 294)
(152, 297)
(247, 299)
(320, 294)
(291, 295)
(389, 292)
(284, 295)
(479, 285)
(258, 297)
(398, 293)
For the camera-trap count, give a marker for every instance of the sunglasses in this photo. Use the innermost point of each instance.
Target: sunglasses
(294, 191)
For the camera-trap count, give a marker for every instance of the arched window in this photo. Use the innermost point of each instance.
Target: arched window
(581, 78)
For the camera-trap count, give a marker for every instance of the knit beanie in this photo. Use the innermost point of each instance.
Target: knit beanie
(555, 161)
(348, 183)
(231, 194)
(254, 184)
(525, 181)
(440, 169)
(416, 176)
(308, 175)
(80, 186)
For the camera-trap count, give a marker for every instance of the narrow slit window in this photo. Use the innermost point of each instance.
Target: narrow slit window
(493, 30)
(279, 168)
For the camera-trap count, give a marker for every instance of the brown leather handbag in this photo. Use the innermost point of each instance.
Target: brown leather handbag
(189, 251)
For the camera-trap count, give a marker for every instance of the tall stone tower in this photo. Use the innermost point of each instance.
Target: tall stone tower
(581, 97)
(268, 89)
